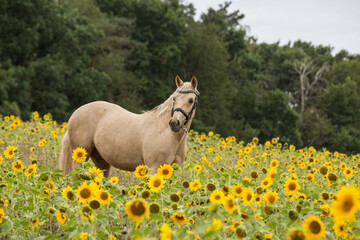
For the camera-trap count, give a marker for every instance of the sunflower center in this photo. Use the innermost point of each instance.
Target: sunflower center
(179, 217)
(249, 197)
(165, 171)
(11, 152)
(30, 170)
(315, 227)
(342, 228)
(266, 182)
(17, 165)
(271, 199)
(137, 209)
(238, 190)
(104, 196)
(292, 186)
(85, 193)
(217, 197)
(157, 183)
(347, 205)
(79, 155)
(70, 195)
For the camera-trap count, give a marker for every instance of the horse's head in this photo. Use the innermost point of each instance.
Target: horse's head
(185, 100)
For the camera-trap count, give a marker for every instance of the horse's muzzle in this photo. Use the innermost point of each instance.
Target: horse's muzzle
(175, 125)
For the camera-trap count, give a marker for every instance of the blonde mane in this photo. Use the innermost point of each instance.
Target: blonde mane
(165, 108)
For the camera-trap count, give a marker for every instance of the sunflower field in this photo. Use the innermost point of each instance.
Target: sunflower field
(226, 189)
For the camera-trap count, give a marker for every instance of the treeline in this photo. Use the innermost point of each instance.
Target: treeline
(58, 55)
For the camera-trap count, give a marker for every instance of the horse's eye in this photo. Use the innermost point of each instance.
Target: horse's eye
(191, 100)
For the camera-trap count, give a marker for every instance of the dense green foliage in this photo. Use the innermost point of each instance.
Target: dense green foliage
(58, 55)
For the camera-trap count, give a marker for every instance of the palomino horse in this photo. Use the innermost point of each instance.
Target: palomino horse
(113, 136)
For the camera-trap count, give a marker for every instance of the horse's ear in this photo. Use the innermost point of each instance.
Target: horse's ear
(178, 81)
(194, 82)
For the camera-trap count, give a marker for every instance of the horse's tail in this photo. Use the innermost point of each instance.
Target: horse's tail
(66, 162)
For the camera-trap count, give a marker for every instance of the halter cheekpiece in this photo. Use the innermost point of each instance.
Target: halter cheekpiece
(187, 116)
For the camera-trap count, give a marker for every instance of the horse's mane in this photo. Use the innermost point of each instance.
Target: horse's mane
(166, 106)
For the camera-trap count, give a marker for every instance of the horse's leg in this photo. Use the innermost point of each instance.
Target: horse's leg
(100, 162)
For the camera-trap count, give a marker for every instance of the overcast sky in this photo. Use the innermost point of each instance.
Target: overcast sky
(327, 22)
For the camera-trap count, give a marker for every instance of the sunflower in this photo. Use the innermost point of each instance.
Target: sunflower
(274, 163)
(141, 171)
(154, 207)
(216, 225)
(1, 159)
(165, 171)
(195, 185)
(217, 196)
(86, 192)
(35, 222)
(165, 232)
(346, 203)
(30, 170)
(271, 173)
(237, 190)
(94, 204)
(310, 177)
(156, 182)
(114, 179)
(83, 236)
(61, 217)
(296, 234)
(97, 172)
(248, 196)
(197, 168)
(229, 203)
(340, 229)
(68, 193)
(2, 214)
(314, 228)
(79, 154)
(266, 182)
(348, 172)
(17, 166)
(271, 197)
(179, 218)
(9, 152)
(291, 186)
(104, 197)
(137, 210)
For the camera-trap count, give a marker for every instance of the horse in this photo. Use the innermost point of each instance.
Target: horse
(113, 136)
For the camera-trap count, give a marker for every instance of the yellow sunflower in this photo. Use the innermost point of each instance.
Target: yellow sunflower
(310, 177)
(270, 197)
(86, 192)
(179, 218)
(35, 222)
(141, 171)
(271, 173)
(215, 226)
(348, 172)
(17, 166)
(156, 182)
(137, 210)
(79, 154)
(105, 197)
(165, 232)
(61, 217)
(1, 159)
(30, 170)
(296, 234)
(2, 215)
(68, 193)
(266, 182)
(291, 186)
(217, 196)
(340, 229)
(314, 228)
(237, 190)
(229, 203)
(165, 171)
(346, 203)
(9, 152)
(248, 196)
(195, 185)
(83, 236)
(97, 172)
(274, 163)
(114, 179)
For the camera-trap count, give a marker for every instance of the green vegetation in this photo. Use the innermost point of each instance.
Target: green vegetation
(58, 55)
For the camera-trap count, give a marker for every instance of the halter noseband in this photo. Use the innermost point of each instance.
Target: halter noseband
(187, 116)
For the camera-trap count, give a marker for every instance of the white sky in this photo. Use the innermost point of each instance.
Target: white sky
(326, 22)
